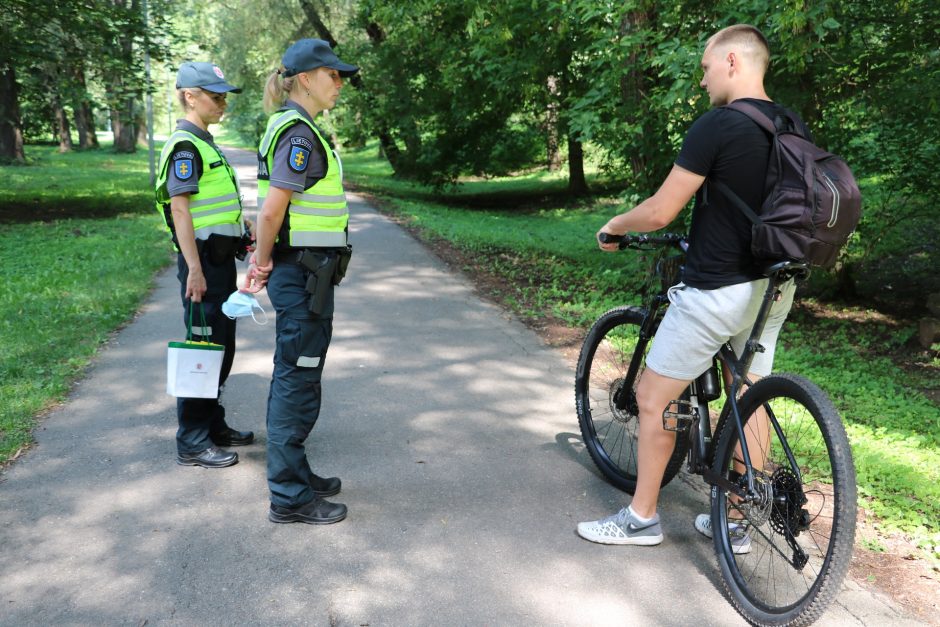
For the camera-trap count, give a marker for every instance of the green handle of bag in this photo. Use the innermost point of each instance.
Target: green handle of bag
(189, 326)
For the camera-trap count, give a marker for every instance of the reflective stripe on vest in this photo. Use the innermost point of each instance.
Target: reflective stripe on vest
(232, 230)
(216, 208)
(319, 215)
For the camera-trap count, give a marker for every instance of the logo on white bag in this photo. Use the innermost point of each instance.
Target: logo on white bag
(198, 366)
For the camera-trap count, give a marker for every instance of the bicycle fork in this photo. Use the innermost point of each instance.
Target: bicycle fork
(625, 399)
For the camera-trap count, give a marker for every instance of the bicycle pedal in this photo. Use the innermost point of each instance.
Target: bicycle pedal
(679, 419)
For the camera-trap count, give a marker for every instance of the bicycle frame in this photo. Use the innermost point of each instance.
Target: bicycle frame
(777, 274)
(699, 432)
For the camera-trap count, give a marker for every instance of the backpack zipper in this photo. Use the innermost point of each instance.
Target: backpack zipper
(835, 200)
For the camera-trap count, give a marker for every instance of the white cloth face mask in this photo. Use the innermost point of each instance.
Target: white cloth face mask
(241, 305)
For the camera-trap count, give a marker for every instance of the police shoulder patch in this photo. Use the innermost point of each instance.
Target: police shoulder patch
(298, 159)
(183, 168)
(303, 142)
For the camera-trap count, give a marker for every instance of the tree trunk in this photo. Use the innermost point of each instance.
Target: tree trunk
(390, 150)
(63, 129)
(552, 144)
(11, 133)
(140, 123)
(123, 127)
(633, 88)
(81, 125)
(123, 96)
(577, 184)
(84, 117)
(313, 16)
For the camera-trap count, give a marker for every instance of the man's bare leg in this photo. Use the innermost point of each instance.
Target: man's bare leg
(654, 393)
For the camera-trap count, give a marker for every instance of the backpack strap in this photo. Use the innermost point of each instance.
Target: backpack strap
(755, 114)
(761, 119)
(736, 201)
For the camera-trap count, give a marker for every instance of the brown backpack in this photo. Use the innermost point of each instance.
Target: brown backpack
(812, 203)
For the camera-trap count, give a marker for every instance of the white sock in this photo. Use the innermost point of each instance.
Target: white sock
(639, 518)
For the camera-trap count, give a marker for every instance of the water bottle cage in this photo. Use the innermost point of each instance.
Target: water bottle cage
(681, 418)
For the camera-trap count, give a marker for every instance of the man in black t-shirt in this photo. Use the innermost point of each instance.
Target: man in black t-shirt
(722, 285)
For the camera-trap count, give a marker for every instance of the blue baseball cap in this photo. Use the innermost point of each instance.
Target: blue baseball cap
(309, 54)
(206, 76)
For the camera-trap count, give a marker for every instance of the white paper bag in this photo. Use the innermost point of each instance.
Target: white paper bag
(193, 368)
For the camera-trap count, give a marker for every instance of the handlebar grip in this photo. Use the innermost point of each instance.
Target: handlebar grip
(609, 238)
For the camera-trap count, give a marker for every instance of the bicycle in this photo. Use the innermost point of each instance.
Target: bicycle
(783, 477)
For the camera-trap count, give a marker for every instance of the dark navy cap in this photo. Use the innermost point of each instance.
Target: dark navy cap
(309, 54)
(206, 76)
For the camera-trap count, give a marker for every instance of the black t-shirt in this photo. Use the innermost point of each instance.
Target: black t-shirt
(727, 146)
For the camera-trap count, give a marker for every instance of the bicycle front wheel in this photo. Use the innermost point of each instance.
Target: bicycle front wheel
(785, 561)
(611, 434)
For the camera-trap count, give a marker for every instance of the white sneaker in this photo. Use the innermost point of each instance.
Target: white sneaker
(740, 536)
(622, 528)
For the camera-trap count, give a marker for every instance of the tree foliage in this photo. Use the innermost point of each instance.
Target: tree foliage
(466, 87)
(63, 59)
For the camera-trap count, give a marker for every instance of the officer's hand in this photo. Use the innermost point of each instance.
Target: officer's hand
(256, 280)
(195, 285)
(265, 269)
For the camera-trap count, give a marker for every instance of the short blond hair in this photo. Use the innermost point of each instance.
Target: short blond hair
(749, 38)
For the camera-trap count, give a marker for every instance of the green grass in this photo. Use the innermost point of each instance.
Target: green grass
(68, 281)
(79, 184)
(548, 261)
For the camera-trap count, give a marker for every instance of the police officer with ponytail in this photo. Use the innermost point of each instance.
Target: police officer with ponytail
(301, 255)
(198, 197)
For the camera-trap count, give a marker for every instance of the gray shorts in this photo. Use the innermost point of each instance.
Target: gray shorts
(698, 322)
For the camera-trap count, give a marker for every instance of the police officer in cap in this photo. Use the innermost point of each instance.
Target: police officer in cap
(198, 197)
(301, 254)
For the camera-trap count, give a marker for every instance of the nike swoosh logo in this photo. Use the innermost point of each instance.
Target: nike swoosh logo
(633, 527)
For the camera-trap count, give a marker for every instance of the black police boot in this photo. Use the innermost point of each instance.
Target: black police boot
(325, 486)
(231, 437)
(316, 512)
(212, 457)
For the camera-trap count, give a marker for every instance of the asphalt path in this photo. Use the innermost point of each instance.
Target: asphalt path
(453, 429)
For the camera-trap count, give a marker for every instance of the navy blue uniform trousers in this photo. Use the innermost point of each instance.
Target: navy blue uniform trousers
(294, 399)
(200, 418)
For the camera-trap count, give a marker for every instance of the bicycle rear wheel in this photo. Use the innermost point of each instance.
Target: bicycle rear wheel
(788, 562)
(610, 434)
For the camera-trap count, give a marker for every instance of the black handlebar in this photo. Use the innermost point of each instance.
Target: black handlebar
(781, 271)
(644, 240)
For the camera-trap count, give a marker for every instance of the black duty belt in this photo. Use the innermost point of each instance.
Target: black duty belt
(294, 255)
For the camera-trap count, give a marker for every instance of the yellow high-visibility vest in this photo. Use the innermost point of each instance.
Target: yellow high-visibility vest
(319, 215)
(217, 208)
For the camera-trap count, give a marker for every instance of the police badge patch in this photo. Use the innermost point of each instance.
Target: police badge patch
(183, 169)
(298, 158)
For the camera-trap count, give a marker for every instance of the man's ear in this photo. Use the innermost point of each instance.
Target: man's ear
(732, 60)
